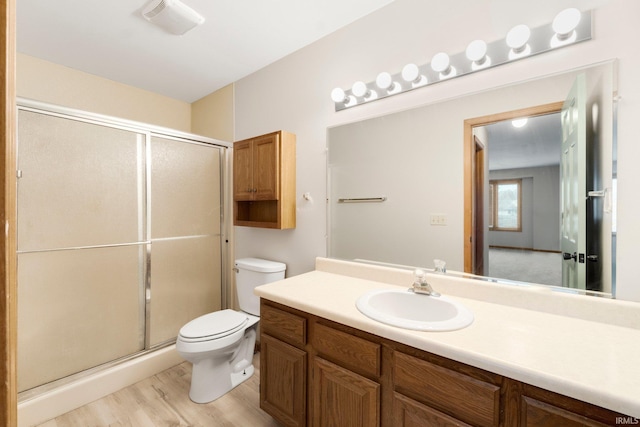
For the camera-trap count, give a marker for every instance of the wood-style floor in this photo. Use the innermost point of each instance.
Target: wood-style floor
(163, 400)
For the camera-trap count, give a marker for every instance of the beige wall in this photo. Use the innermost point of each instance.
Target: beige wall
(212, 115)
(55, 84)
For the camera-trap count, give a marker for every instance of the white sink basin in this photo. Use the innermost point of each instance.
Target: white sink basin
(406, 309)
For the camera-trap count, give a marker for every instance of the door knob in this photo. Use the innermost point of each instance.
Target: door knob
(567, 256)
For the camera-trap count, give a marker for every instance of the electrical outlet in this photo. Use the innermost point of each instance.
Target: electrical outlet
(438, 219)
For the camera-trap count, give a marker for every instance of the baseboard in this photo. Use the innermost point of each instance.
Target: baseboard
(78, 393)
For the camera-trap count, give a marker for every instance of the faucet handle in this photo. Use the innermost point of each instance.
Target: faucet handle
(441, 266)
(419, 275)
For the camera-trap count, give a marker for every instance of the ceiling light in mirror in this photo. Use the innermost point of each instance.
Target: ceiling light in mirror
(518, 123)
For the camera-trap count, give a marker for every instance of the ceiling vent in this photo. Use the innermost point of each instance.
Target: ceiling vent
(172, 15)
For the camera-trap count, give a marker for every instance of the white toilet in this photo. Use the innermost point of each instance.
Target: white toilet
(220, 345)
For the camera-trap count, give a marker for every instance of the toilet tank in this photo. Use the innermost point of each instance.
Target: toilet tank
(252, 272)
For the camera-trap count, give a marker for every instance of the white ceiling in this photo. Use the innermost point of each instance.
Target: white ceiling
(535, 144)
(111, 39)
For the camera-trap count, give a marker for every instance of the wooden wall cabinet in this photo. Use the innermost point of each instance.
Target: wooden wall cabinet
(315, 372)
(264, 181)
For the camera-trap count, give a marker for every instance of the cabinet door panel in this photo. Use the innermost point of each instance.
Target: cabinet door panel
(409, 413)
(343, 398)
(266, 167)
(242, 173)
(283, 385)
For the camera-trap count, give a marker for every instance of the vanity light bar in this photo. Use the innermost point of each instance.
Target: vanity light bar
(569, 27)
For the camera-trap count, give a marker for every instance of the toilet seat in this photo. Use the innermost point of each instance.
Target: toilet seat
(213, 326)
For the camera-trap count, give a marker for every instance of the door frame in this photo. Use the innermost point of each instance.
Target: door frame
(8, 201)
(469, 167)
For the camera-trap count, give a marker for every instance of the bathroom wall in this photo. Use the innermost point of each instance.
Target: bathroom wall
(293, 94)
(212, 115)
(55, 84)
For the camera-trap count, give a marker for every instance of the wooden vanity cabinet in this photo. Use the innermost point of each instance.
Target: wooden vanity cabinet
(283, 366)
(264, 181)
(320, 373)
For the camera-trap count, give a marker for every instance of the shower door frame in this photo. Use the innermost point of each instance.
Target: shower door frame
(148, 131)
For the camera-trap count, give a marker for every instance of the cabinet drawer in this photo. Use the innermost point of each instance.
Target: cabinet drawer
(283, 325)
(539, 407)
(408, 412)
(468, 399)
(352, 352)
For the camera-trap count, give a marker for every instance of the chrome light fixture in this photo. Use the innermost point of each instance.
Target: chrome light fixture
(570, 26)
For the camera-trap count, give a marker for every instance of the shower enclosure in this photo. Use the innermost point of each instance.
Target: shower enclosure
(119, 239)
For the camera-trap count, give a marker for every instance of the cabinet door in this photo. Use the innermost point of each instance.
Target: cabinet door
(539, 407)
(409, 413)
(283, 384)
(343, 398)
(266, 167)
(242, 171)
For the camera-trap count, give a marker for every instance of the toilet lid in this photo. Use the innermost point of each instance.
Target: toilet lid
(221, 322)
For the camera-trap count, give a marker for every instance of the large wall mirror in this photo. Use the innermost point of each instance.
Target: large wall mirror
(460, 182)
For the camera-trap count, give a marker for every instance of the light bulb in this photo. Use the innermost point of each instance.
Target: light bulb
(410, 72)
(476, 50)
(477, 53)
(338, 95)
(359, 89)
(564, 25)
(517, 39)
(518, 123)
(566, 21)
(384, 80)
(440, 63)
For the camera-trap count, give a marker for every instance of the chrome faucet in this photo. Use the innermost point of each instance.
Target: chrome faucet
(421, 286)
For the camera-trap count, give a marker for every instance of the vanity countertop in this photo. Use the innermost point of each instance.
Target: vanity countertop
(571, 354)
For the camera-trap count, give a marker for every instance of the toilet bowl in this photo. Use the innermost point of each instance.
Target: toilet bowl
(220, 345)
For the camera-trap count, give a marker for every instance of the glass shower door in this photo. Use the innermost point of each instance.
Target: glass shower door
(119, 241)
(185, 216)
(81, 246)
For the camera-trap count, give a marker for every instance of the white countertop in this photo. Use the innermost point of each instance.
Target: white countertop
(570, 354)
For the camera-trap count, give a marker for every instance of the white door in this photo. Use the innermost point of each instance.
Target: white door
(573, 183)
